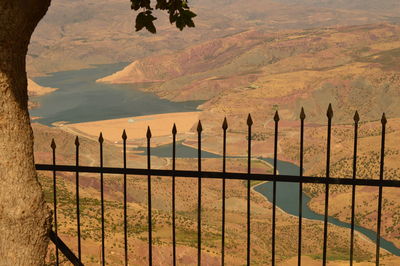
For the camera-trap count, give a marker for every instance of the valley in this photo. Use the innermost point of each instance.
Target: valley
(267, 57)
(186, 221)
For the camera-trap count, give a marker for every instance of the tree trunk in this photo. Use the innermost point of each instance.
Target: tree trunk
(25, 219)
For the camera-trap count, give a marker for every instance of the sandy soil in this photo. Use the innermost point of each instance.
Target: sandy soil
(387, 260)
(136, 127)
(35, 89)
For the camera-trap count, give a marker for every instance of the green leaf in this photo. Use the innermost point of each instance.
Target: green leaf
(137, 4)
(190, 23)
(188, 14)
(178, 10)
(172, 18)
(161, 4)
(151, 28)
(139, 21)
(145, 20)
(180, 23)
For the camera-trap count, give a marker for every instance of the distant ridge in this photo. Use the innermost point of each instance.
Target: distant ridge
(76, 34)
(347, 65)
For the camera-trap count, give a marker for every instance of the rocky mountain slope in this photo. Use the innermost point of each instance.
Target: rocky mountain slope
(34, 90)
(391, 7)
(353, 67)
(76, 34)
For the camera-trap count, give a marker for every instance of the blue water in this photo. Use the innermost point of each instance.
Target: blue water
(81, 99)
(287, 193)
(182, 151)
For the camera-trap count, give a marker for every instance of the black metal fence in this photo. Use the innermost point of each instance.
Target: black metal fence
(200, 174)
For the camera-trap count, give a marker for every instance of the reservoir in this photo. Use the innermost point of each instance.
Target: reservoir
(80, 98)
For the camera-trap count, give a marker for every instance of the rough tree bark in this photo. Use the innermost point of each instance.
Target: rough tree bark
(24, 218)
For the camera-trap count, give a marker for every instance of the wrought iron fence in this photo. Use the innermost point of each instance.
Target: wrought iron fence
(327, 180)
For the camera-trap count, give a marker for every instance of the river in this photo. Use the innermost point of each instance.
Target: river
(81, 99)
(287, 193)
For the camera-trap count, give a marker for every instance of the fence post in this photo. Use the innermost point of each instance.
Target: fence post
(148, 136)
(249, 124)
(103, 255)
(53, 148)
(199, 130)
(224, 128)
(174, 131)
(302, 118)
(329, 114)
(124, 138)
(381, 172)
(353, 192)
(276, 119)
(78, 220)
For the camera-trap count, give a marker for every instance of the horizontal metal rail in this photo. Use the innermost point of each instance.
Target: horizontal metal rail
(220, 175)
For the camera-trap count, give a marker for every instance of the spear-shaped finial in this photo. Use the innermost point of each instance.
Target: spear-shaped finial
(383, 120)
(329, 113)
(356, 117)
(249, 120)
(124, 136)
(76, 141)
(101, 140)
(302, 114)
(148, 134)
(199, 127)
(53, 144)
(276, 116)
(174, 131)
(225, 124)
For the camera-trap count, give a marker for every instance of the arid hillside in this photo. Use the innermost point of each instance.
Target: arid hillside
(186, 213)
(34, 90)
(243, 57)
(387, 6)
(76, 34)
(260, 72)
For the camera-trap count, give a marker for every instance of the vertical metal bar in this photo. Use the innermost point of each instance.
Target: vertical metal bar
(148, 135)
(249, 124)
(103, 255)
(199, 129)
(224, 127)
(276, 119)
(78, 218)
(124, 137)
(53, 147)
(329, 114)
(302, 117)
(174, 131)
(353, 192)
(381, 172)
